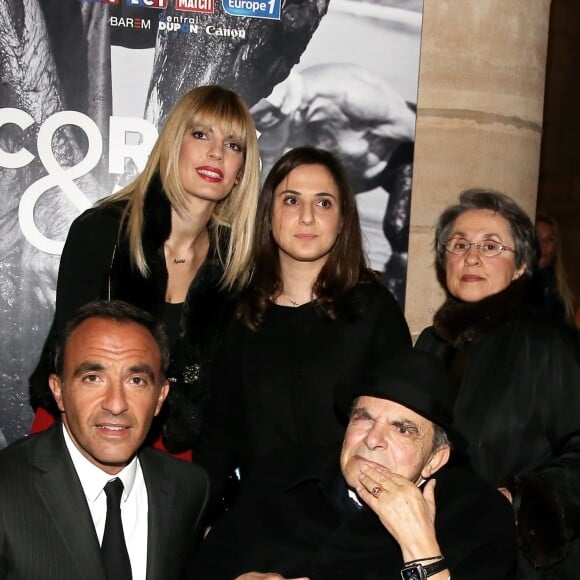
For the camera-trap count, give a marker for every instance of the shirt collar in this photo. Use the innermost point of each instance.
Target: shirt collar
(354, 498)
(93, 479)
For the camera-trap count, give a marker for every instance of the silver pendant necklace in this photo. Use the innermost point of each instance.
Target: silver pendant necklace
(293, 302)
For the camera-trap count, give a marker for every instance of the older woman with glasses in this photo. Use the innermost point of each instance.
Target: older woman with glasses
(517, 377)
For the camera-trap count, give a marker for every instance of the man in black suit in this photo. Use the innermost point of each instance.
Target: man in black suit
(391, 510)
(110, 383)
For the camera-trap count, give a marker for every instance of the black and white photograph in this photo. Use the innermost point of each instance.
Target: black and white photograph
(85, 86)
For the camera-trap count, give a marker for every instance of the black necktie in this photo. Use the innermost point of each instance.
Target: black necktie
(113, 548)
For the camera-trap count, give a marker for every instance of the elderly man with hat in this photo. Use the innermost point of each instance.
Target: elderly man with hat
(385, 506)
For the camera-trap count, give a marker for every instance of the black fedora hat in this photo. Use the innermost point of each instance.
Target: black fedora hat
(414, 379)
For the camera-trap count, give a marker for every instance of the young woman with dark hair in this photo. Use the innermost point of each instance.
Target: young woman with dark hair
(312, 316)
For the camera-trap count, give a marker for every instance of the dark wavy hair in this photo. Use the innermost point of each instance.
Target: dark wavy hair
(521, 227)
(346, 263)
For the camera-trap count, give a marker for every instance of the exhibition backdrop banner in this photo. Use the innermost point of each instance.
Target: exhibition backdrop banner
(85, 85)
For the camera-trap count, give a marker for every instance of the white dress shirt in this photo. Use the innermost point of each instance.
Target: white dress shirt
(134, 506)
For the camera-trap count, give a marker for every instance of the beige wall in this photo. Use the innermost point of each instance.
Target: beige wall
(479, 120)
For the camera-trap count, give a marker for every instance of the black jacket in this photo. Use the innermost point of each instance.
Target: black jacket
(293, 519)
(46, 529)
(95, 264)
(518, 406)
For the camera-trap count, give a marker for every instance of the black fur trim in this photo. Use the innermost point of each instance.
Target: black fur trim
(459, 323)
(542, 532)
(206, 313)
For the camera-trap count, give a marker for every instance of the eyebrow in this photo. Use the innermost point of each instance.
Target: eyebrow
(405, 423)
(142, 370)
(360, 411)
(319, 194)
(483, 236)
(209, 129)
(88, 367)
(398, 422)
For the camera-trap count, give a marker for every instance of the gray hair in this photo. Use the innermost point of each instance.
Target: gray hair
(440, 438)
(521, 227)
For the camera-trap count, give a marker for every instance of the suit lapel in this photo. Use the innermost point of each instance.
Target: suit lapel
(62, 494)
(160, 501)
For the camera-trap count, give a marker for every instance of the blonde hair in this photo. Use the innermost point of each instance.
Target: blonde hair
(201, 107)
(562, 286)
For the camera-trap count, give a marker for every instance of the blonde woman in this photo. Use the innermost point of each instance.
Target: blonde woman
(556, 297)
(180, 231)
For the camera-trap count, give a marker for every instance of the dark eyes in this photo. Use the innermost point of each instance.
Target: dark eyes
(459, 245)
(138, 381)
(293, 200)
(491, 246)
(233, 145)
(405, 429)
(487, 248)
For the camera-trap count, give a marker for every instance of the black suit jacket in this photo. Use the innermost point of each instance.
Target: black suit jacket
(293, 519)
(46, 529)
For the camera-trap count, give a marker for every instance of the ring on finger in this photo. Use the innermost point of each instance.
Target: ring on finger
(376, 490)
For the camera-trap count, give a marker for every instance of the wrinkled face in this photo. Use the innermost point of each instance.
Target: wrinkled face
(471, 277)
(385, 434)
(306, 215)
(110, 390)
(548, 244)
(210, 163)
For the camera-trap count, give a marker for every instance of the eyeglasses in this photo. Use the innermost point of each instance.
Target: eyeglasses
(487, 249)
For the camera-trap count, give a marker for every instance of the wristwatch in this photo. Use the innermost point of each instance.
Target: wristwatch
(420, 572)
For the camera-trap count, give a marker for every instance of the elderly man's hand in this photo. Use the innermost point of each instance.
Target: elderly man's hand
(266, 576)
(406, 512)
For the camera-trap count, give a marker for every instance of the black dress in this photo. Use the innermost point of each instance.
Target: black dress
(518, 406)
(274, 387)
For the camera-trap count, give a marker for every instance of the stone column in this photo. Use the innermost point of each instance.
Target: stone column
(479, 121)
